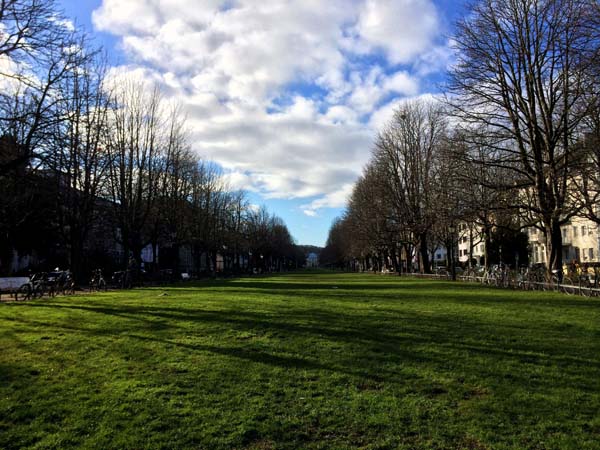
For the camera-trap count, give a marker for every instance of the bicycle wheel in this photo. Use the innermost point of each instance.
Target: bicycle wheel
(568, 286)
(23, 293)
(38, 291)
(586, 290)
(570, 289)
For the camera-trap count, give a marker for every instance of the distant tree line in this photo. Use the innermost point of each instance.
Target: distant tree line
(83, 155)
(515, 142)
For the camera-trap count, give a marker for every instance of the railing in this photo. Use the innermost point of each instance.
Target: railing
(512, 281)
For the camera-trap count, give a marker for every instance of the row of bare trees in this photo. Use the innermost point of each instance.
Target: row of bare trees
(403, 203)
(514, 143)
(84, 155)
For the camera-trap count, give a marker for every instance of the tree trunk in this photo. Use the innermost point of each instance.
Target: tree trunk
(394, 258)
(407, 258)
(213, 257)
(554, 249)
(424, 254)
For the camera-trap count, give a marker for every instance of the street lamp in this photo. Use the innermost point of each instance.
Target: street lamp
(452, 230)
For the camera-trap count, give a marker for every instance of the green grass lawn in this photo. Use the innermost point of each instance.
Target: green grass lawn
(306, 360)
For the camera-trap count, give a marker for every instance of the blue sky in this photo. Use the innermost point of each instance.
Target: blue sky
(286, 96)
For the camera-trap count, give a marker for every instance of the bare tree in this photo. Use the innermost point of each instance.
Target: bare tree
(519, 78)
(271, 243)
(171, 218)
(135, 144)
(237, 241)
(407, 150)
(39, 50)
(27, 25)
(588, 180)
(371, 217)
(484, 189)
(335, 253)
(76, 152)
(208, 200)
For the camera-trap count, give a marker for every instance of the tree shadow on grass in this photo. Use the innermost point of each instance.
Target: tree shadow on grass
(285, 358)
(481, 296)
(402, 339)
(407, 288)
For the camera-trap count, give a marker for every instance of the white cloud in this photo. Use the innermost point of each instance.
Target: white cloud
(273, 90)
(402, 28)
(336, 199)
(65, 23)
(384, 114)
(437, 59)
(9, 82)
(126, 16)
(254, 207)
(369, 90)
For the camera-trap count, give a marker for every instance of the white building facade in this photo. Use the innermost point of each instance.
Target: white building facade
(581, 242)
(470, 236)
(312, 260)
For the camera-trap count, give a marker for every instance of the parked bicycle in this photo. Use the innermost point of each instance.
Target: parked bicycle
(122, 279)
(36, 287)
(60, 282)
(474, 273)
(97, 282)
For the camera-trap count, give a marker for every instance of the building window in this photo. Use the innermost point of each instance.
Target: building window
(591, 253)
(574, 231)
(583, 230)
(564, 232)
